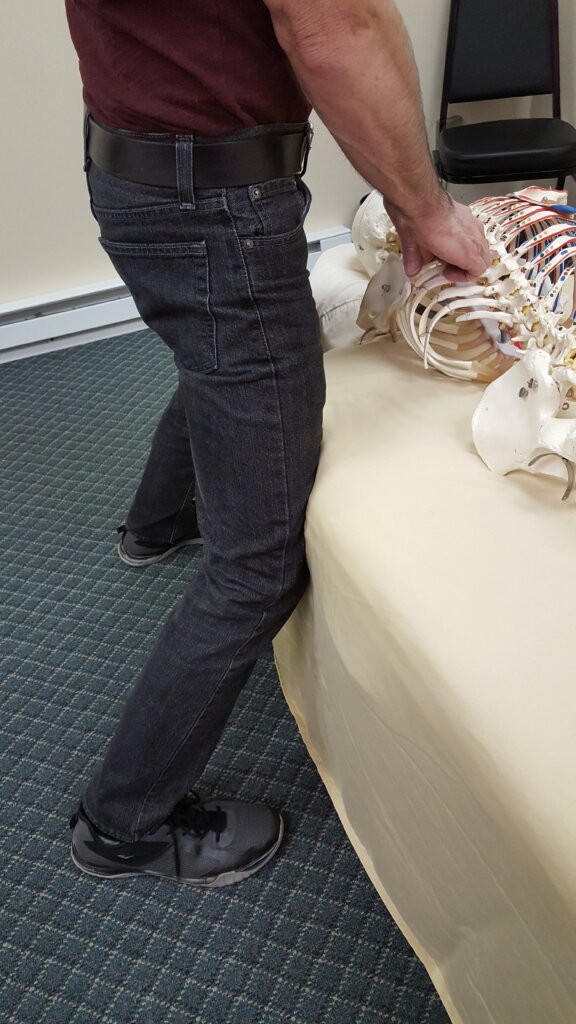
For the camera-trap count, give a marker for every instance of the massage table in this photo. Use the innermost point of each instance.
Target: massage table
(430, 669)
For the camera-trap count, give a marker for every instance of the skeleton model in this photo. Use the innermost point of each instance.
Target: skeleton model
(513, 328)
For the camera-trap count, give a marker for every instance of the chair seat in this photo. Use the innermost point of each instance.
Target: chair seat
(525, 145)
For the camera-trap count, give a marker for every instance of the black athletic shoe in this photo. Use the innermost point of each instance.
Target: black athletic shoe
(138, 552)
(206, 844)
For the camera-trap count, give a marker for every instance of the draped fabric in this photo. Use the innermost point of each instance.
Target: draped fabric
(430, 667)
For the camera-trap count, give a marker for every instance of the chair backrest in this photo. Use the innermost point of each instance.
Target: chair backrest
(501, 48)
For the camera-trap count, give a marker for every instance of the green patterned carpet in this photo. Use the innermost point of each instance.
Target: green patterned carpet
(307, 941)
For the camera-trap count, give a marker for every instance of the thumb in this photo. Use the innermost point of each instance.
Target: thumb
(412, 258)
(411, 252)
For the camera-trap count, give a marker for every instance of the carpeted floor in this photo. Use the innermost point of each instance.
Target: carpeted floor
(305, 941)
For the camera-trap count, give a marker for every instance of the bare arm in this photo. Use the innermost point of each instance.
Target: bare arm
(354, 61)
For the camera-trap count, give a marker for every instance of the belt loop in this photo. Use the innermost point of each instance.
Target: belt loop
(185, 171)
(86, 136)
(306, 147)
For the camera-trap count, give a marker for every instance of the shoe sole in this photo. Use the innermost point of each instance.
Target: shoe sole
(139, 562)
(214, 882)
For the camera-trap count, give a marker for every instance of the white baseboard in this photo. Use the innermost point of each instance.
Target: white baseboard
(45, 323)
(319, 241)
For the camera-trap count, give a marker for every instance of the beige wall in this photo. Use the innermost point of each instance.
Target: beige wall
(49, 237)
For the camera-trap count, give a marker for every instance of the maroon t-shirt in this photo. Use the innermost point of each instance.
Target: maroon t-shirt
(206, 66)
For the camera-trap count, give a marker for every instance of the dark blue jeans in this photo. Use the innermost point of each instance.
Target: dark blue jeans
(220, 275)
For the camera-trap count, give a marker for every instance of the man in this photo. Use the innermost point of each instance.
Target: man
(194, 152)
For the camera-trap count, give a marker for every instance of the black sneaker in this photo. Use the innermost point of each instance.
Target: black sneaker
(206, 844)
(138, 552)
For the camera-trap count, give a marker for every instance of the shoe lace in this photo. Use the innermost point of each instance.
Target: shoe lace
(190, 816)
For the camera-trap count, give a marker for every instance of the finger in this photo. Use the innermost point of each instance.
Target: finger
(411, 252)
(479, 260)
(457, 275)
(413, 261)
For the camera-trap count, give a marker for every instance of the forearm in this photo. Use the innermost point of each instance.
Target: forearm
(354, 60)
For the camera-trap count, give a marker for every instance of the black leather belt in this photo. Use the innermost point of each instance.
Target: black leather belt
(242, 161)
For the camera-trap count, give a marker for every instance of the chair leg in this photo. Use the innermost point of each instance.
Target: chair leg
(561, 182)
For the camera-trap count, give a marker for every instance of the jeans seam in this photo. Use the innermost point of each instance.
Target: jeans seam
(278, 402)
(180, 509)
(119, 213)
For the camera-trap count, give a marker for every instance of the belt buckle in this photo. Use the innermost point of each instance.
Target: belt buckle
(306, 146)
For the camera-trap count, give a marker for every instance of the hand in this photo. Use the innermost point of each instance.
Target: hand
(449, 232)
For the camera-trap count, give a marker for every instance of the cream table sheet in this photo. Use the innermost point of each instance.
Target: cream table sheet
(430, 668)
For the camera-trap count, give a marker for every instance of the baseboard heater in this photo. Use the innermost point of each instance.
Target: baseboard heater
(80, 315)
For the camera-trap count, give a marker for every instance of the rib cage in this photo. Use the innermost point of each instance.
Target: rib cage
(526, 298)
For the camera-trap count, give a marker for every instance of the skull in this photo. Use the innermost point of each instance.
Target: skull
(373, 233)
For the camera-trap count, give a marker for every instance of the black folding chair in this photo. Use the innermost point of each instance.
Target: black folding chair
(498, 49)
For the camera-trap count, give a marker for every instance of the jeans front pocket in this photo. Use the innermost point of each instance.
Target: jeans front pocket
(270, 212)
(170, 285)
(281, 206)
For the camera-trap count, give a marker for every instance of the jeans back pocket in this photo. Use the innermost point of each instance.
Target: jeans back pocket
(170, 285)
